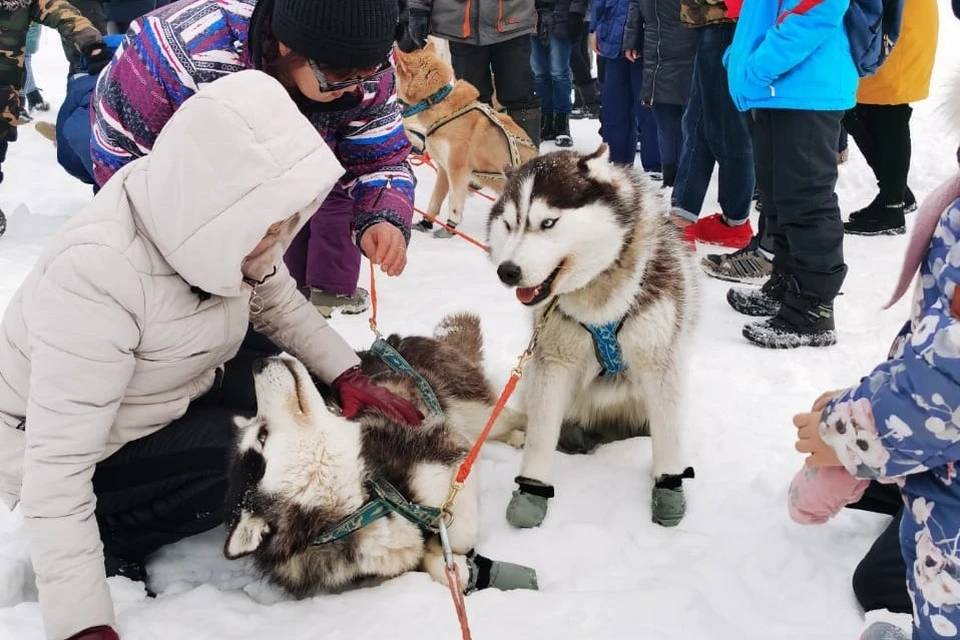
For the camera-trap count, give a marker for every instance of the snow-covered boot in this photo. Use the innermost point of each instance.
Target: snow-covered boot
(803, 321)
(547, 130)
(561, 127)
(505, 576)
(759, 302)
(528, 505)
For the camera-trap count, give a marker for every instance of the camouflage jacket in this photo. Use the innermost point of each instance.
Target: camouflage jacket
(700, 13)
(15, 19)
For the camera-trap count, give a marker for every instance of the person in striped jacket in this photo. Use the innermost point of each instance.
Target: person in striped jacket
(335, 59)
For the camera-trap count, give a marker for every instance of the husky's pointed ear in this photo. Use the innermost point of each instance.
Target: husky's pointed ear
(597, 164)
(246, 535)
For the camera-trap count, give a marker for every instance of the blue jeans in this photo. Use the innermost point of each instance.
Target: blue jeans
(622, 114)
(714, 132)
(551, 74)
(669, 119)
(30, 84)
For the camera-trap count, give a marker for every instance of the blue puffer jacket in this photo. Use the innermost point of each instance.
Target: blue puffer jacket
(782, 58)
(608, 21)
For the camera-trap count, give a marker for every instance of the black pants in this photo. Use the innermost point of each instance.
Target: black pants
(510, 63)
(796, 163)
(882, 132)
(880, 580)
(585, 86)
(171, 484)
(92, 10)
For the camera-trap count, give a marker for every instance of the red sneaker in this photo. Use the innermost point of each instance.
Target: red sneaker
(713, 230)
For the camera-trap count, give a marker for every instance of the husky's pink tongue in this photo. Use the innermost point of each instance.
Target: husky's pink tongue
(528, 294)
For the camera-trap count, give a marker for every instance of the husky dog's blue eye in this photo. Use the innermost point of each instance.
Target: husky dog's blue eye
(548, 223)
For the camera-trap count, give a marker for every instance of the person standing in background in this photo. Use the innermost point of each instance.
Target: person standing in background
(586, 92)
(558, 27)
(880, 121)
(485, 36)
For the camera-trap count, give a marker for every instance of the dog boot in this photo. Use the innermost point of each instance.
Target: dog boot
(424, 225)
(561, 127)
(669, 505)
(443, 233)
(528, 506)
(505, 576)
(547, 126)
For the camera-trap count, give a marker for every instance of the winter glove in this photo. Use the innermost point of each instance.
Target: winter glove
(97, 55)
(96, 633)
(419, 27)
(357, 390)
(575, 26)
(11, 108)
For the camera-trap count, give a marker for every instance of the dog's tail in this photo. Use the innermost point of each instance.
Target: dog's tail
(462, 331)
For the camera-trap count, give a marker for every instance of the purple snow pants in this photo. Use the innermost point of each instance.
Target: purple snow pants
(323, 255)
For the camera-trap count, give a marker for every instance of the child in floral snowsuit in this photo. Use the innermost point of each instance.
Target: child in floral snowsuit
(901, 424)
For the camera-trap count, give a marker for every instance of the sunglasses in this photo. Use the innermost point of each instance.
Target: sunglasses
(326, 86)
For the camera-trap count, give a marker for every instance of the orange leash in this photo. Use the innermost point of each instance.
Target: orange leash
(420, 159)
(452, 230)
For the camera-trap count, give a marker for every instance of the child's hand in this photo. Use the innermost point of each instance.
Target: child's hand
(821, 402)
(808, 441)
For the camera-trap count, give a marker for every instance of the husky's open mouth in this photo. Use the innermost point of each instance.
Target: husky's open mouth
(535, 295)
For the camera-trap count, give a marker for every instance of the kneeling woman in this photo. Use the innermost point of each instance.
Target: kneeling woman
(126, 352)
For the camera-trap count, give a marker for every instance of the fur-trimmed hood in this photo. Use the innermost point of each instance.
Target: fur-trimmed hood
(13, 5)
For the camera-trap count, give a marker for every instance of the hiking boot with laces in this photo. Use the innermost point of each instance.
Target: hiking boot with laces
(326, 303)
(764, 301)
(715, 230)
(747, 266)
(803, 321)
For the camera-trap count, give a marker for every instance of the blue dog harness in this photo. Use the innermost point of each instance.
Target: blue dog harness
(606, 346)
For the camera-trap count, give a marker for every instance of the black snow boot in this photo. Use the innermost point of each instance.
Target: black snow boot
(669, 174)
(877, 220)
(35, 101)
(547, 131)
(529, 119)
(803, 321)
(764, 301)
(561, 127)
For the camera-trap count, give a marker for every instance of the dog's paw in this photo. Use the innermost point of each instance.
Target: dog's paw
(528, 505)
(668, 505)
(516, 438)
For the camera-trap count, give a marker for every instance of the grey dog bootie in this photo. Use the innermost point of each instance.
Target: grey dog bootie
(528, 506)
(668, 502)
(506, 576)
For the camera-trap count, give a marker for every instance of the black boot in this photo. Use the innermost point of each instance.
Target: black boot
(669, 174)
(909, 201)
(765, 301)
(35, 101)
(803, 321)
(529, 120)
(877, 220)
(547, 131)
(561, 126)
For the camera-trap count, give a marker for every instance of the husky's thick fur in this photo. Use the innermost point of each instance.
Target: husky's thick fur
(595, 237)
(300, 468)
(469, 143)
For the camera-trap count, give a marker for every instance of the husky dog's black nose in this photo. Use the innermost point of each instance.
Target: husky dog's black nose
(259, 365)
(509, 273)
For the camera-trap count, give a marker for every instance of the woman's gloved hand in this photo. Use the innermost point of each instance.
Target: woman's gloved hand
(96, 633)
(97, 55)
(357, 390)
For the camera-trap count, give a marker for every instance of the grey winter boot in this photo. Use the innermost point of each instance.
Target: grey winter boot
(529, 121)
(668, 504)
(326, 303)
(528, 506)
(505, 576)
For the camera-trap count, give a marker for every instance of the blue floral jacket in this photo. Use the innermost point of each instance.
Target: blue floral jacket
(902, 425)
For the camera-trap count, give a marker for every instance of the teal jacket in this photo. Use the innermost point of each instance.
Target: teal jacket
(792, 54)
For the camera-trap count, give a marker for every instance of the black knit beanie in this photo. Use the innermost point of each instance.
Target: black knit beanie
(341, 34)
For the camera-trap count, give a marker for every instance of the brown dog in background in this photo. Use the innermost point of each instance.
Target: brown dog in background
(467, 140)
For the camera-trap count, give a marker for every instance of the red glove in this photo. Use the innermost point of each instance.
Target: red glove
(357, 390)
(96, 633)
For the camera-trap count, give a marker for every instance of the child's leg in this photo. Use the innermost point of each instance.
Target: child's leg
(333, 261)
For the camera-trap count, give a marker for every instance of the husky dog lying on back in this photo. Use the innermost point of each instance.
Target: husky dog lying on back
(303, 477)
(591, 241)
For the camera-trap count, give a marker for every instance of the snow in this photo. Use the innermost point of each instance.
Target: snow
(736, 568)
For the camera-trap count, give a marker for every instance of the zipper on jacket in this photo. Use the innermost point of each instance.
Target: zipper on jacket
(383, 191)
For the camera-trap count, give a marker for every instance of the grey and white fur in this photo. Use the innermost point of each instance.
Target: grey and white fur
(595, 237)
(299, 467)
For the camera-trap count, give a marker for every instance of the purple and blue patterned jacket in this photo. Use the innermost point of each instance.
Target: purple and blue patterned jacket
(169, 53)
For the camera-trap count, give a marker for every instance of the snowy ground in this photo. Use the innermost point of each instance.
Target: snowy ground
(736, 568)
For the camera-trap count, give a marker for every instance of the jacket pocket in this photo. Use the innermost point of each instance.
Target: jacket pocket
(452, 19)
(514, 15)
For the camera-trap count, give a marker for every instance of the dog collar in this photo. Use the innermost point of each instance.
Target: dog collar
(413, 109)
(606, 346)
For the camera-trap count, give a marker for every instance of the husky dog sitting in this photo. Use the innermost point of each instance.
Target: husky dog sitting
(303, 478)
(591, 242)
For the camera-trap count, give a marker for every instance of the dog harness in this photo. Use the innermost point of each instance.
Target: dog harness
(386, 500)
(514, 142)
(606, 346)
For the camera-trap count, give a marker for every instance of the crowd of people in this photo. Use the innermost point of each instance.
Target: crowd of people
(125, 352)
